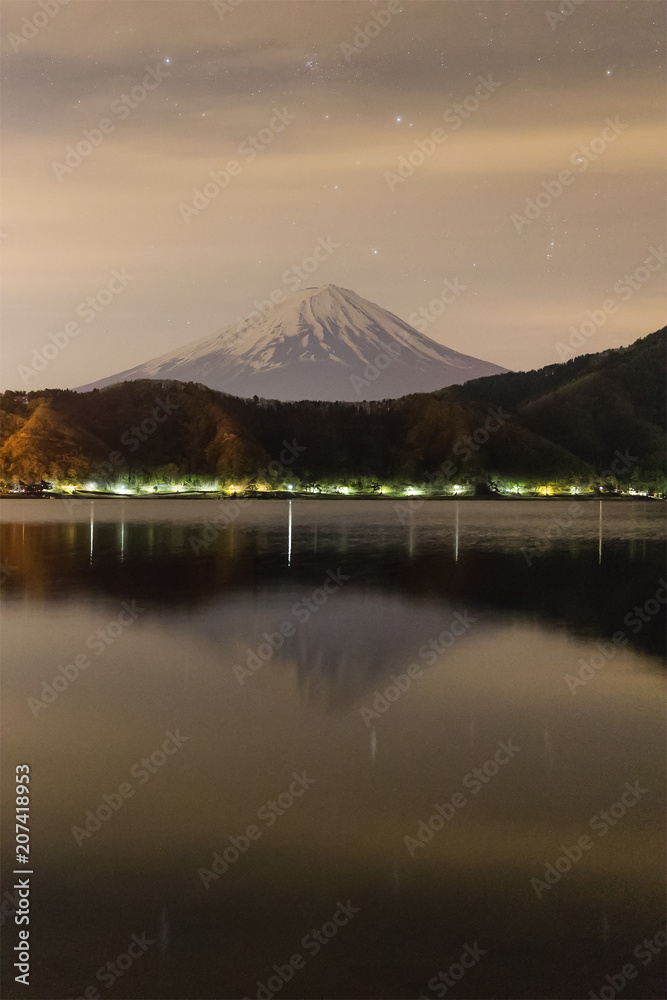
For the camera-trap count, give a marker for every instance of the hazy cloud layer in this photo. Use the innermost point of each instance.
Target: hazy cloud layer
(326, 172)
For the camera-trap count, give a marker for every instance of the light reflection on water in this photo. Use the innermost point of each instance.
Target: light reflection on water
(183, 665)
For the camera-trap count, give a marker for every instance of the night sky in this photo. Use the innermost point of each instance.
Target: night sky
(333, 112)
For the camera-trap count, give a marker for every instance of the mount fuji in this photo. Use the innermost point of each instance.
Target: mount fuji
(322, 344)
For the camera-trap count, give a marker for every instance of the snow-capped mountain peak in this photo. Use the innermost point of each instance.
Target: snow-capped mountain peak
(321, 343)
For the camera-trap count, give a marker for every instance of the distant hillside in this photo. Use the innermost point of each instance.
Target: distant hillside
(562, 425)
(44, 442)
(135, 428)
(591, 405)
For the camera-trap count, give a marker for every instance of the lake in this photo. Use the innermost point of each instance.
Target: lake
(351, 749)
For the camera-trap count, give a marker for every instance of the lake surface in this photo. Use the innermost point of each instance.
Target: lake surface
(281, 837)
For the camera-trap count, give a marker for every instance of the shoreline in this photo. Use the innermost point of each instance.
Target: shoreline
(294, 495)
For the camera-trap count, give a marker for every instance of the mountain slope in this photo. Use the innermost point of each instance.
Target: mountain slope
(590, 405)
(564, 425)
(323, 343)
(47, 445)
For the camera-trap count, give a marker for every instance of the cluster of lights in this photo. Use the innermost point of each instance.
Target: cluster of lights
(211, 487)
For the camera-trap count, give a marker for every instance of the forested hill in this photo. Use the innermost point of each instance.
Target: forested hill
(562, 425)
(591, 404)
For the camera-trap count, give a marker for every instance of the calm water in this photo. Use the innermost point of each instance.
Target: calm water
(487, 650)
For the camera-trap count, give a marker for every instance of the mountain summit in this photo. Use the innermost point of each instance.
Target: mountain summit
(322, 343)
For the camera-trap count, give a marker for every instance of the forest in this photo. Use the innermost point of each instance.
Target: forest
(594, 422)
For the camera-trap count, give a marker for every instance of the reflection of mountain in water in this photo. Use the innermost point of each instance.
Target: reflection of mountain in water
(359, 637)
(343, 655)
